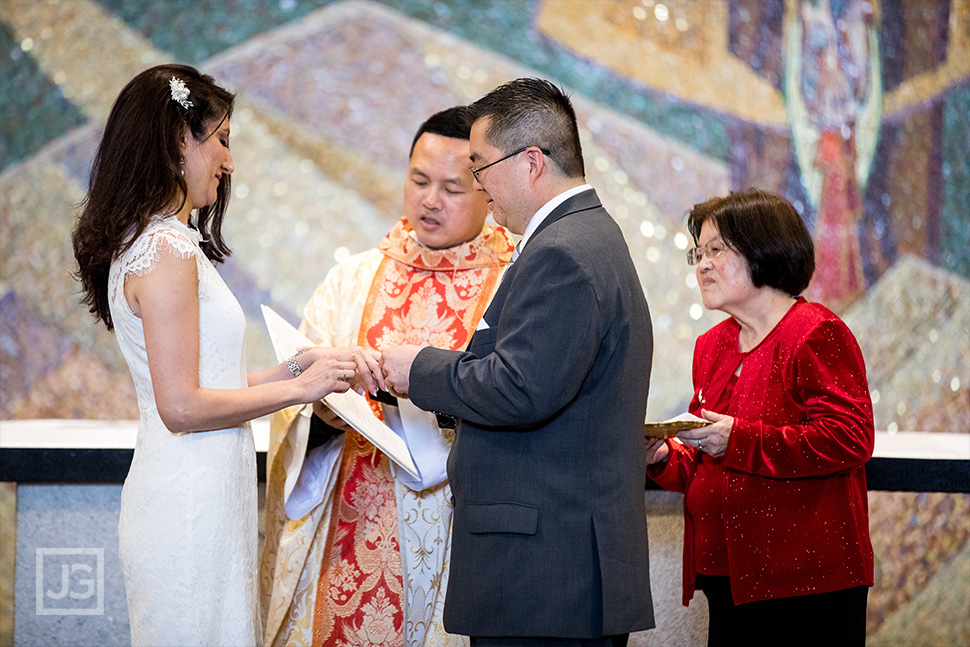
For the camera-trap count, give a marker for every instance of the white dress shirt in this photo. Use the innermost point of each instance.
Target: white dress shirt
(543, 212)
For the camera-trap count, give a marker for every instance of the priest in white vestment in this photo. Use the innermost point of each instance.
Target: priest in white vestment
(357, 551)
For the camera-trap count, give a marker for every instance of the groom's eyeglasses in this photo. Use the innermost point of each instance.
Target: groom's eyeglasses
(476, 171)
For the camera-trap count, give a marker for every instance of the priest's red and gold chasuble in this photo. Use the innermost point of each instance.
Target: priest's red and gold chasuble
(418, 296)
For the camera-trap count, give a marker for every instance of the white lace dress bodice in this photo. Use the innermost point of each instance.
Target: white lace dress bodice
(188, 529)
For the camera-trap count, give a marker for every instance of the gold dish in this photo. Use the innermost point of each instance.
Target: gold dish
(671, 428)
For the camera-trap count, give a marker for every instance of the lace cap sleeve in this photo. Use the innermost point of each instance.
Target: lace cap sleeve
(143, 255)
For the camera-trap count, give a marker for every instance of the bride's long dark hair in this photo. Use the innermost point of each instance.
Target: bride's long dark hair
(137, 174)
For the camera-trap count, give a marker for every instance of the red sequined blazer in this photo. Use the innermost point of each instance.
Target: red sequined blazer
(795, 506)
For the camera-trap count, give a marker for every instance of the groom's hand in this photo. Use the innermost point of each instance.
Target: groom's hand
(396, 365)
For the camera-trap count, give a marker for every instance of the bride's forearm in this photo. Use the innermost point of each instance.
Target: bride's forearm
(204, 409)
(267, 375)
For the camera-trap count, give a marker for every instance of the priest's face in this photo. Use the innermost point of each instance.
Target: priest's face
(440, 203)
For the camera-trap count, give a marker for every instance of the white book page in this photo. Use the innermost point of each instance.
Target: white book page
(350, 406)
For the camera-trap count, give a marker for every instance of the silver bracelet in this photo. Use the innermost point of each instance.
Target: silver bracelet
(294, 366)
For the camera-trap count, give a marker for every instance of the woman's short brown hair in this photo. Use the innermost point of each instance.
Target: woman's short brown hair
(767, 231)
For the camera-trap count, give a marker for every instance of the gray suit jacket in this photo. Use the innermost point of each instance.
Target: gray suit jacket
(548, 467)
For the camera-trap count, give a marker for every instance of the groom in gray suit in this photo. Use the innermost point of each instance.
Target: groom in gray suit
(547, 468)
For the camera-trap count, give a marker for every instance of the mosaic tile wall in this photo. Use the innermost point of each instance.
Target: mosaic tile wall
(677, 101)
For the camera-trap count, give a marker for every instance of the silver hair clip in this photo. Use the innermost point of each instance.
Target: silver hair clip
(180, 93)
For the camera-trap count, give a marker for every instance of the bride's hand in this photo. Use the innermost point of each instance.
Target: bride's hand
(369, 375)
(325, 371)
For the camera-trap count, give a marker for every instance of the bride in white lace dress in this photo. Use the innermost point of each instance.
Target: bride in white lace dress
(188, 530)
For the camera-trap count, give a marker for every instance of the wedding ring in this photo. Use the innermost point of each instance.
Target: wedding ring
(700, 445)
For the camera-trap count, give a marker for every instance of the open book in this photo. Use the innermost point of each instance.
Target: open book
(350, 406)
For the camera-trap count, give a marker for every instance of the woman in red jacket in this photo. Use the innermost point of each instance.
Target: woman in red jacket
(775, 506)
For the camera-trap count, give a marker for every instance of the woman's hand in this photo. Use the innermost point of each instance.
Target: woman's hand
(657, 450)
(369, 375)
(712, 439)
(352, 367)
(325, 371)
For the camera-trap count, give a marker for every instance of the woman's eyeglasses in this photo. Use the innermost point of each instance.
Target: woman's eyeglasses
(711, 250)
